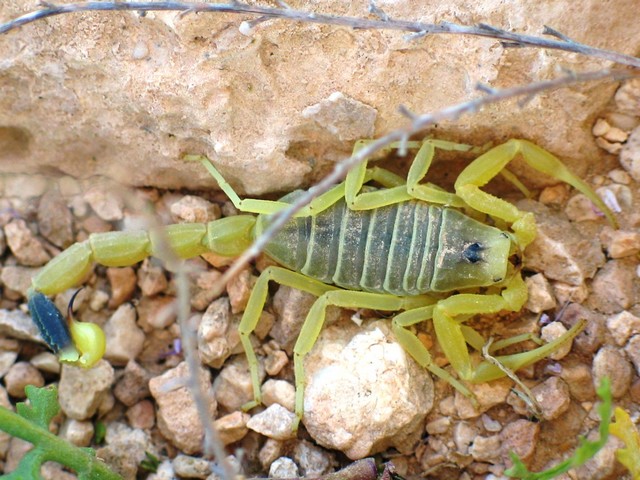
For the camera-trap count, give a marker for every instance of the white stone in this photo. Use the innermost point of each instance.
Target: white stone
(275, 422)
(350, 373)
(622, 326)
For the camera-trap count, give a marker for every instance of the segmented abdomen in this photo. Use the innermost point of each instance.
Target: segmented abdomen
(385, 250)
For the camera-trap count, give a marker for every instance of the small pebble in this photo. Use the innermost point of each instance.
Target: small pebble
(622, 326)
(313, 461)
(616, 135)
(107, 205)
(612, 148)
(541, 296)
(233, 387)
(278, 391)
(151, 278)
(553, 397)
(191, 467)
(156, 313)
(55, 221)
(618, 175)
(438, 426)
(17, 278)
(464, 435)
(239, 289)
(620, 243)
(612, 287)
(125, 448)
(203, 292)
(192, 209)
(590, 339)
(487, 395)
(274, 363)
(630, 155)
(124, 338)
(133, 385)
(46, 362)
(123, 284)
(387, 383)
(600, 128)
(633, 352)
(81, 391)
(98, 300)
(284, 467)
(560, 250)
(78, 432)
(580, 381)
(215, 338)
(566, 293)
(7, 359)
(23, 244)
(141, 415)
(521, 438)
(17, 324)
(275, 422)
(25, 186)
(553, 331)
(177, 415)
(489, 424)
(627, 97)
(232, 427)
(612, 363)
(270, 451)
(19, 376)
(486, 449)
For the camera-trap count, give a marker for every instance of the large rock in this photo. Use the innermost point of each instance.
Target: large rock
(124, 95)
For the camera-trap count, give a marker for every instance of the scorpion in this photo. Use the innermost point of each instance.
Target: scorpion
(404, 246)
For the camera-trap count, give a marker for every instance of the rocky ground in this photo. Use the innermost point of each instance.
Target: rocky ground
(364, 396)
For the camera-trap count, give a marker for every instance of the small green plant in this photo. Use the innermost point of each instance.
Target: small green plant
(624, 429)
(585, 450)
(150, 462)
(31, 423)
(100, 432)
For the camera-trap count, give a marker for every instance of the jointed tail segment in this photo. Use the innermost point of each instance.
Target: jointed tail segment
(232, 235)
(83, 344)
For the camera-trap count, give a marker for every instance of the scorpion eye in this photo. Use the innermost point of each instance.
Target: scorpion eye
(472, 252)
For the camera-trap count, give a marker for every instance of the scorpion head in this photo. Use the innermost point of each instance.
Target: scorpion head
(470, 254)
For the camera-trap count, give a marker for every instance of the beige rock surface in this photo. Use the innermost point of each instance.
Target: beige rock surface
(125, 95)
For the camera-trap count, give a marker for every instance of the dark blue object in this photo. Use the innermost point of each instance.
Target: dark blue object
(52, 325)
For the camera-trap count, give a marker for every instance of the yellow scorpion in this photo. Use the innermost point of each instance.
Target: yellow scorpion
(407, 247)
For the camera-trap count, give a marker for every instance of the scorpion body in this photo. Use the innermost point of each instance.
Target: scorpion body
(408, 247)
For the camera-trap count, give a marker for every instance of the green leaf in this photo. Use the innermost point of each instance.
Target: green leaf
(43, 405)
(585, 450)
(31, 423)
(625, 430)
(29, 467)
(150, 463)
(100, 433)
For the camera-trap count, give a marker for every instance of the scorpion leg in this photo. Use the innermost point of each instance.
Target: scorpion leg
(453, 338)
(416, 348)
(255, 306)
(396, 193)
(327, 295)
(479, 172)
(268, 207)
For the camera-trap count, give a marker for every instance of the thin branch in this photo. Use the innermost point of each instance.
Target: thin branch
(418, 29)
(212, 444)
(418, 122)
